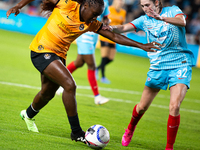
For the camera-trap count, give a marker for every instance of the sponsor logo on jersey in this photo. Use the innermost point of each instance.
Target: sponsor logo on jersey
(47, 56)
(64, 28)
(81, 27)
(40, 47)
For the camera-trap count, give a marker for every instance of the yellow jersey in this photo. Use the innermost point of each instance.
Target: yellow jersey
(117, 18)
(61, 29)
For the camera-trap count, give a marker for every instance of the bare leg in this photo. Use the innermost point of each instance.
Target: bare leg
(47, 93)
(148, 95)
(177, 94)
(58, 73)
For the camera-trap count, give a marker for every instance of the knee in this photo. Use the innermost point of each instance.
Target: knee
(78, 64)
(174, 108)
(91, 66)
(70, 86)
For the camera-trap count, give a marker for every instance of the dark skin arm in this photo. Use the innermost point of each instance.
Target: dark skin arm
(120, 39)
(20, 5)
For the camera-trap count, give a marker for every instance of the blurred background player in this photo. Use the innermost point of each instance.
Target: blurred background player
(86, 48)
(117, 16)
(171, 65)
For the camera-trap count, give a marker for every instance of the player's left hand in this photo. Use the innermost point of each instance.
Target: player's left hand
(151, 47)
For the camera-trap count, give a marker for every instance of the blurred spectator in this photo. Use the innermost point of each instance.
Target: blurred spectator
(190, 7)
(110, 2)
(34, 8)
(128, 8)
(197, 38)
(195, 4)
(195, 25)
(188, 11)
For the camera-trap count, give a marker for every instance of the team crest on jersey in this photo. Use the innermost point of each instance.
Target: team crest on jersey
(66, 1)
(47, 56)
(81, 27)
(40, 47)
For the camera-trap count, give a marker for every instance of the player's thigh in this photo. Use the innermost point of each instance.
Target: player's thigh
(147, 97)
(112, 53)
(179, 83)
(48, 87)
(177, 93)
(79, 62)
(90, 61)
(58, 73)
(105, 49)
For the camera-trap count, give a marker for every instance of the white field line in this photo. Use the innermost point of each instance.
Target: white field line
(113, 99)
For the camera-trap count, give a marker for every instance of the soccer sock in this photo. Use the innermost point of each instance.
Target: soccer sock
(93, 82)
(71, 67)
(31, 112)
(108, 60)
(172, 129)
(103, 64)
(74, 123)
(134, 120)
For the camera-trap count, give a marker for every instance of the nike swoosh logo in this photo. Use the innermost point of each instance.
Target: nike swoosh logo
(69, 18)
(173, 126)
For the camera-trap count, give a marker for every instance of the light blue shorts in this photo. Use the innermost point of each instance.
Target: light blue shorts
(87, 43)
(162, 78)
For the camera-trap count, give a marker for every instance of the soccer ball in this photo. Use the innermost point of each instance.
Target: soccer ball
(97, 137)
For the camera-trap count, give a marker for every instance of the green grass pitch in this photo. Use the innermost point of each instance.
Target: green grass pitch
(20, 81)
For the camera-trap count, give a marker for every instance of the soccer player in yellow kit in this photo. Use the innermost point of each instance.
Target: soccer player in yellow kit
(117, 16)
(69, 19)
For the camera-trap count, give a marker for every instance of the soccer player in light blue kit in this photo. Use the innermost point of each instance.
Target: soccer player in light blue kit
(171, 65)
(86, 48)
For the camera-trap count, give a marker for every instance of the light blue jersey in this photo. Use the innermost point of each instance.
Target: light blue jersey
(87, 42)
(174, 52)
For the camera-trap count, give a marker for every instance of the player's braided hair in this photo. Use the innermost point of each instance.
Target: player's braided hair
(49, 6)
(94, 2)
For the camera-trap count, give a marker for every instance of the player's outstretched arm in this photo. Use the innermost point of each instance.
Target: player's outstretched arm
(119, 28)
(16, 9)
(128, 42)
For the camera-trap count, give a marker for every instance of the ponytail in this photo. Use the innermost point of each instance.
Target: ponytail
(47, 6)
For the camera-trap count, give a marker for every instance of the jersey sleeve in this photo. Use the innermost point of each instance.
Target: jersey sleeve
(177, 11)
(138, 23)
(95, 26)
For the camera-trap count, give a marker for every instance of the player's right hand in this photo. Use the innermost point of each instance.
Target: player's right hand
(15, 10)
(151, 47)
